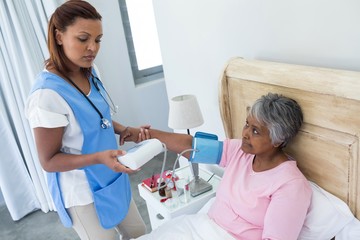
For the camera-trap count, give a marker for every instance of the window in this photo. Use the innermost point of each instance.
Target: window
(142, 41)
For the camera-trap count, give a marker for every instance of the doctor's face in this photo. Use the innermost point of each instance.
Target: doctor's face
(81, 42)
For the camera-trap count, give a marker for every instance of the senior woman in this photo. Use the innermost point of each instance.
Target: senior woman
(263, 194)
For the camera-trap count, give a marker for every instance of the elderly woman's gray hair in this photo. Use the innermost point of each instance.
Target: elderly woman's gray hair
(281, 115)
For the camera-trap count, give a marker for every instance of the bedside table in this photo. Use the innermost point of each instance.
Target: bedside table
(159, 212)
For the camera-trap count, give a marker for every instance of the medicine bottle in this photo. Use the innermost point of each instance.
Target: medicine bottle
(162, 189)
(168, 193)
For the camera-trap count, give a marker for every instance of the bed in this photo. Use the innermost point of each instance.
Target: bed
(326, 148)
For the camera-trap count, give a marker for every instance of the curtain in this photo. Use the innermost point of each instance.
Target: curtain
(23, 29)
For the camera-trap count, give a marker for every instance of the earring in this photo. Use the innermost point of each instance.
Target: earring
(279, 145)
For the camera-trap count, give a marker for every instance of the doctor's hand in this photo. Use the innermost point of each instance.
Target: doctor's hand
(135, 134)
(109, 158)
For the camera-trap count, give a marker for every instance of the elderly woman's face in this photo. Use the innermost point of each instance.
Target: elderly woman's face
(255, 138)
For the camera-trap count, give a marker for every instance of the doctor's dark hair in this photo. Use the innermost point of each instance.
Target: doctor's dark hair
(64, 16)
(281, 115)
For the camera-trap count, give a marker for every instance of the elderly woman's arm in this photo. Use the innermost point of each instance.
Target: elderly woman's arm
(288, 207)
(175, 142)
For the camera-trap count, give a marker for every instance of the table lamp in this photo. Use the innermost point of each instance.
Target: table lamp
(184, 113)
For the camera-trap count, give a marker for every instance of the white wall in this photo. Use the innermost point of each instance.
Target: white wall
(144, 104)
(198, 37)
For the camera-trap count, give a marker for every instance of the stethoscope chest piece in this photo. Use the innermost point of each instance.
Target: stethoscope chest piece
(105, 123)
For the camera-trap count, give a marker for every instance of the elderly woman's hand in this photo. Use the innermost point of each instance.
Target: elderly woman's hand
(135, 134)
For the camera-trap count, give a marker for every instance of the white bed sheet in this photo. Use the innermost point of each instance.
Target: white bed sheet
(189, 227)
(199, 226)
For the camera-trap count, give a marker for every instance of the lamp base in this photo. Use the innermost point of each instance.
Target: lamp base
(199, 186)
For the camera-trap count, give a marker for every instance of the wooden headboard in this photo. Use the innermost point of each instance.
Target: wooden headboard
(327, 147)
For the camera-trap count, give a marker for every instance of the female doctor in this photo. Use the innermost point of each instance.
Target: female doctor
(69, 111)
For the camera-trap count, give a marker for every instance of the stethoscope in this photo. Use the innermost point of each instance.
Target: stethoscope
(104, 122)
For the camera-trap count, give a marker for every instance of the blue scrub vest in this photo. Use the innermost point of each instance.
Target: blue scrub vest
(111, 190)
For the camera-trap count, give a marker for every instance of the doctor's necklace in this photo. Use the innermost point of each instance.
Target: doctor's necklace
(104, 123)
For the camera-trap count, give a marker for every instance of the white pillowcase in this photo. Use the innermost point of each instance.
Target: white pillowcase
(350, 231)
(327, 216)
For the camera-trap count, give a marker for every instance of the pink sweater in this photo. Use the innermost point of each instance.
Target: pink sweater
(259, 205)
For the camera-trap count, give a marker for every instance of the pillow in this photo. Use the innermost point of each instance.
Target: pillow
(327, 215)
(350, 231)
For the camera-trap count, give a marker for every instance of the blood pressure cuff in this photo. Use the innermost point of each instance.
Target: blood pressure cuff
(209, 149)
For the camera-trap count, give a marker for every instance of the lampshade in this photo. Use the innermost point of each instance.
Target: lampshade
(184, 112)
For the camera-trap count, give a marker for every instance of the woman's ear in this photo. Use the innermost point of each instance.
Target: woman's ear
(58, 36)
